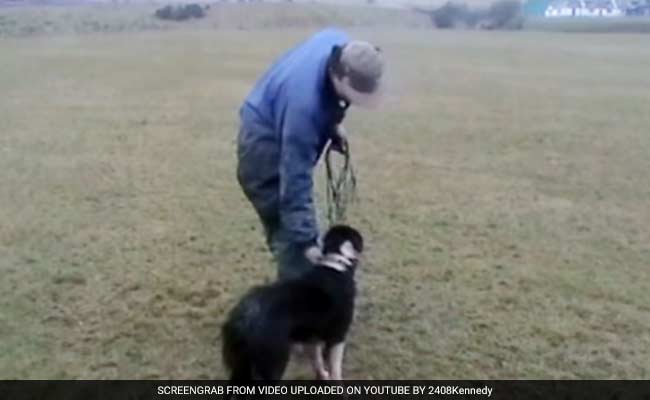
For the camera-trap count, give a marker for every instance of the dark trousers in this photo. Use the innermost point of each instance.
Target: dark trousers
(257, 173)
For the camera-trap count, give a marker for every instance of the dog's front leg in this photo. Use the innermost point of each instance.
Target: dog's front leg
(318, 363)
(336, 361)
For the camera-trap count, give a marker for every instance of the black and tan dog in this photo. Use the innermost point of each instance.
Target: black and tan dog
(315, 309)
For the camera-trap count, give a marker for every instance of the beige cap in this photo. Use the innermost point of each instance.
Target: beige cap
(363, 64)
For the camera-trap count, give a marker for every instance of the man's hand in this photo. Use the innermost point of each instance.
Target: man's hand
(340, 140)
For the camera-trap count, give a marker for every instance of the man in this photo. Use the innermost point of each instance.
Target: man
(293, 111)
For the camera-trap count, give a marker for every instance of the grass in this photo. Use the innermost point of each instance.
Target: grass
(503, 188)
(40, 21)
(90, 19)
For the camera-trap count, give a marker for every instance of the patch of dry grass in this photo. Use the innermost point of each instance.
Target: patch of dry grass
(41, 21)
(504, 198)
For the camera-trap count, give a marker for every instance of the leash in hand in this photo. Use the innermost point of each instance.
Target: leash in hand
(340, 187)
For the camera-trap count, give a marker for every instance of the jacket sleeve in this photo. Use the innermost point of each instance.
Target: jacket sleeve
(299, 154)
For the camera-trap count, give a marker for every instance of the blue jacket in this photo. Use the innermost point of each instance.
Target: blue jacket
(293, 110)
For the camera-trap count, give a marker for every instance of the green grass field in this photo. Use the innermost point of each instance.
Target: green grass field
(503, 192)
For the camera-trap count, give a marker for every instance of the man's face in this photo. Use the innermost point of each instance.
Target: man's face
(364, 100)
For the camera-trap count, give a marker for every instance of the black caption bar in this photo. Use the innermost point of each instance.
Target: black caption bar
(167, 390)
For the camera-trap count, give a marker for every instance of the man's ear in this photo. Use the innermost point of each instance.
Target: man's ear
(340, 87)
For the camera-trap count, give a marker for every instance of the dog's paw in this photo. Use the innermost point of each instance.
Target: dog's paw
(323, 375)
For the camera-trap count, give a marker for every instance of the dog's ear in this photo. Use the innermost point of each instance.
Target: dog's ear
(338, 235)
(348, 251)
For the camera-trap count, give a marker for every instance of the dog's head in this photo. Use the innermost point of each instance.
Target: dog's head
(343, 241)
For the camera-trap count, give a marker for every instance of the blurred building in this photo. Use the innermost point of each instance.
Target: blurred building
(584, 8)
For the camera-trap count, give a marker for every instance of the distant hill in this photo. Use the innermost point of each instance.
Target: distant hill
(47, 20)
(50, 2)
(375, 3)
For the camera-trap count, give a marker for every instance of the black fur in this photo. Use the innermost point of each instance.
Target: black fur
(316, 307)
